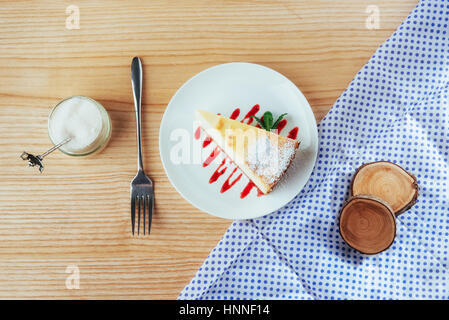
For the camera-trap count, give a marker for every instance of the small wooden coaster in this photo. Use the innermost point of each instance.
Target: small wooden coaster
(368, 224)
(387, 181)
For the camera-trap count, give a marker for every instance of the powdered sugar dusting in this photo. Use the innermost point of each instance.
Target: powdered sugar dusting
(269, 158)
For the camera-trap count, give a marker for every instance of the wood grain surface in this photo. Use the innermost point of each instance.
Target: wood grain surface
(77, 211)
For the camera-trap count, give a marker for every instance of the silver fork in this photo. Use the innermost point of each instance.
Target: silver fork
(142, 193)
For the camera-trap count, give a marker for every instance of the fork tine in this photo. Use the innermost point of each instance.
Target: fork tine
(133, 213)
(150, 211)
(144, 213)
(138, 221)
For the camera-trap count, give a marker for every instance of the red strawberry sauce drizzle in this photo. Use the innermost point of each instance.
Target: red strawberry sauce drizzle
(248, 189)
(228, 185)
(293, 133)
(235, 114)
(281, 125)
(211, 157)
(251, 113)
(207, 141)
(222, 168)
(198, 133)
(218, 173)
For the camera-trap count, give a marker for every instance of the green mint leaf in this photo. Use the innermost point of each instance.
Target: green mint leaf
(259, 121)
(275, 125)
(268, 120)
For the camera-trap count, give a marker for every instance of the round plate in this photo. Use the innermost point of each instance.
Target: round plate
(222, 89)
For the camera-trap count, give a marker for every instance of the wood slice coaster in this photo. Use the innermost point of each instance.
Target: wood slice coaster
(368, 224)
(387, 181)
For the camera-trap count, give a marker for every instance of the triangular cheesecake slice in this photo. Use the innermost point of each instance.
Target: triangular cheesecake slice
(263, 156)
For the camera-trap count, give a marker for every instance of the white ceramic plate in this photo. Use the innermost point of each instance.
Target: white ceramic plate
(222, 89)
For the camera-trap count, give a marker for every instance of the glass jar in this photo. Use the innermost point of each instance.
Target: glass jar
(82, 119)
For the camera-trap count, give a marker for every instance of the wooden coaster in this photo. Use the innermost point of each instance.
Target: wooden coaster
(387, 181)
(368, 224)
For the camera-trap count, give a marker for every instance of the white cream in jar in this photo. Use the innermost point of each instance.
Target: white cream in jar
(84, 121)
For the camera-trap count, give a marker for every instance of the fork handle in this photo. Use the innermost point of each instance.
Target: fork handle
(136, 81)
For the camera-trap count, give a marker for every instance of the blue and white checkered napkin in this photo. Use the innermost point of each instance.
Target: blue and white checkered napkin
(395, 109)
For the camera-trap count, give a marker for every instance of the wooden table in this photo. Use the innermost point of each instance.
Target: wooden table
(77, 212)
